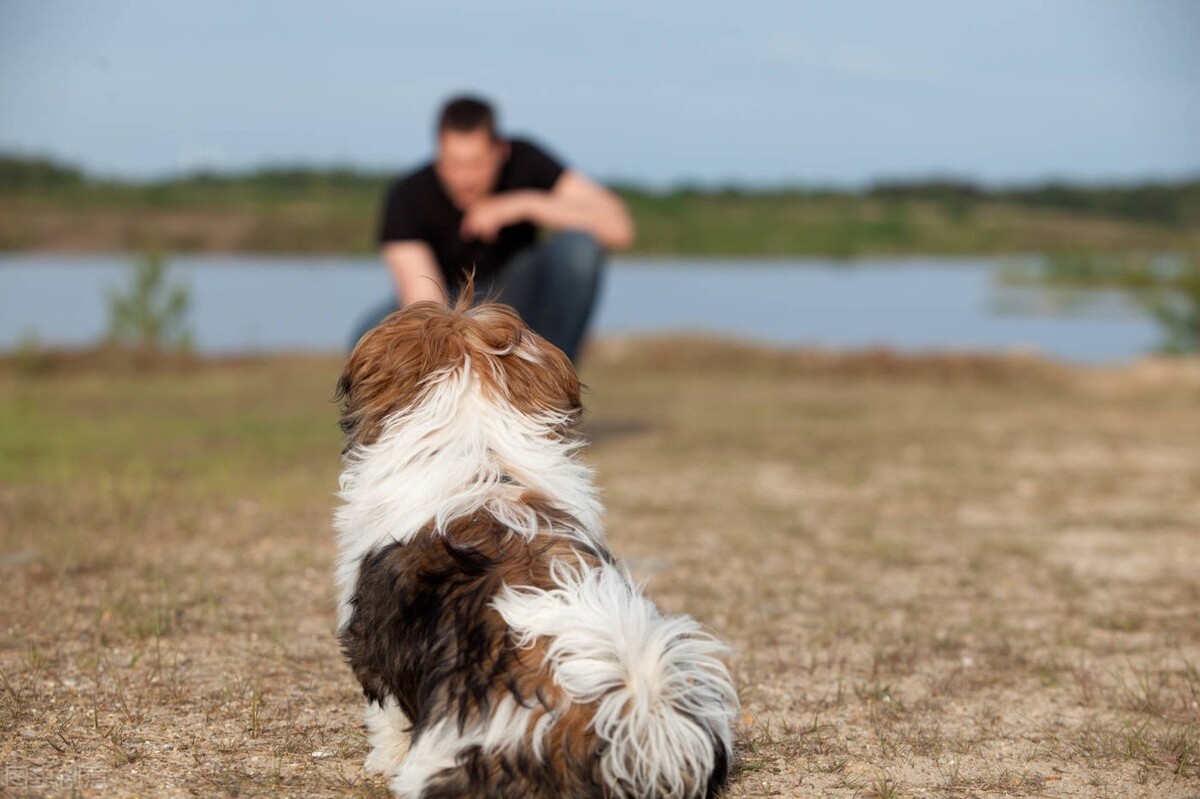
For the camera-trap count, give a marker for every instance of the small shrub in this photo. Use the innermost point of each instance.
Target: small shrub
(30, 355)
(1179, 312)
(149, 315)
(1169, 287)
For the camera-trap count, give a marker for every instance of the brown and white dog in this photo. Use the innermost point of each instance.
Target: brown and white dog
(502, 650)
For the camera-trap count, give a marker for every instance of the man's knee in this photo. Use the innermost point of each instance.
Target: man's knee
(576, 251)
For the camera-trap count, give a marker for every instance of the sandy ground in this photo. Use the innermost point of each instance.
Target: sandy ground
(942, 576)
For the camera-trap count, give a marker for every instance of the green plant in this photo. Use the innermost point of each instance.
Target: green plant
(30, 355)
(1169, 287)
(1179, 312)
(149, 314)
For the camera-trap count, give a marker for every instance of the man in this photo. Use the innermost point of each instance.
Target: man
(479, 206)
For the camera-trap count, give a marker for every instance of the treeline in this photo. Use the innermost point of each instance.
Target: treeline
(1165, 203)
(48, 205)
(46, 178)
(1174, 204)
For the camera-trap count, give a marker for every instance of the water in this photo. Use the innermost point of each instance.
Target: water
(271, 304)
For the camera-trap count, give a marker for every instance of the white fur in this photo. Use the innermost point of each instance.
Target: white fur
(663, 693)
(438, 747)
(389, 738)
(455, 452)
(662, 689)
(433, 751)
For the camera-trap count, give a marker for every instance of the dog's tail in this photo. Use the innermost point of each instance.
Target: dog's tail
(664, 699)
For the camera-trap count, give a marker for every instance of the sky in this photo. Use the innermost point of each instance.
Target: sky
(757, 93)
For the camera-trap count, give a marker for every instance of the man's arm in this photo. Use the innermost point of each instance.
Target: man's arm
(414, 272)
(582, 204)
(575, 202)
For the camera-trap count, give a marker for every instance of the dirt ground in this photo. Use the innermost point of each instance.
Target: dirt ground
(939, 576)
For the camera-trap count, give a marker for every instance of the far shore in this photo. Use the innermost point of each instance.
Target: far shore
(748, 227)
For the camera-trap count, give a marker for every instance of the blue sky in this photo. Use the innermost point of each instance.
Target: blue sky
(837, 92)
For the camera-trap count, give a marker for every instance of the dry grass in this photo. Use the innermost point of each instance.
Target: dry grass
(941, 577)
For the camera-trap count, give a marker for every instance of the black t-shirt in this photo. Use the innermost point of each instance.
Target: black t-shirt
(418, 208)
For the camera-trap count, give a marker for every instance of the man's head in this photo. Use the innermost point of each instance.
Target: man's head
(470, 151)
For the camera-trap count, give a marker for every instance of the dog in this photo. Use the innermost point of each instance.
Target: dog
(502, 650)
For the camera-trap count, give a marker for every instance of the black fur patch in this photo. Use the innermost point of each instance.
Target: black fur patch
(423, 631)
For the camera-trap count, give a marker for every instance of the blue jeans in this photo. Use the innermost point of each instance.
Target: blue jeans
(553, 286)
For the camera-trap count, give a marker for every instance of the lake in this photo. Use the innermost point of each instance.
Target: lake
(244, 304)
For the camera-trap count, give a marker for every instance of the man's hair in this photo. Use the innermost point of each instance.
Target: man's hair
(467, 114)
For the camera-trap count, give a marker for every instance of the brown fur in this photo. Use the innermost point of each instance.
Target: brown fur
(457, 660)
(392, 364)
(434, 593)
(423, 629)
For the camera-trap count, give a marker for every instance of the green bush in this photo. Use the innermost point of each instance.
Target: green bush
(149, 315)
(1168, 287)
(1179, 312)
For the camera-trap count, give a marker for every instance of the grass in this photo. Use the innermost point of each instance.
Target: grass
(940, 576)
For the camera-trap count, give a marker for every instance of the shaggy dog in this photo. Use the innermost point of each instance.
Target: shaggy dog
(502, 650)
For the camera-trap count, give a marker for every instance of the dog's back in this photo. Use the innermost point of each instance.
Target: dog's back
(501, 650)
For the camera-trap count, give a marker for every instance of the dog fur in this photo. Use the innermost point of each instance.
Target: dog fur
(502, 650)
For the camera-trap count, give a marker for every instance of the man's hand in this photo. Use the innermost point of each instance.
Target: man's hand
(575, 203)
(485, 217)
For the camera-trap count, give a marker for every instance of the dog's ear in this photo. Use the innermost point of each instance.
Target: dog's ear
(386, 370)
(529, 372)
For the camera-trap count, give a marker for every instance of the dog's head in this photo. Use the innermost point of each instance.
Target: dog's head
(396, 365)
